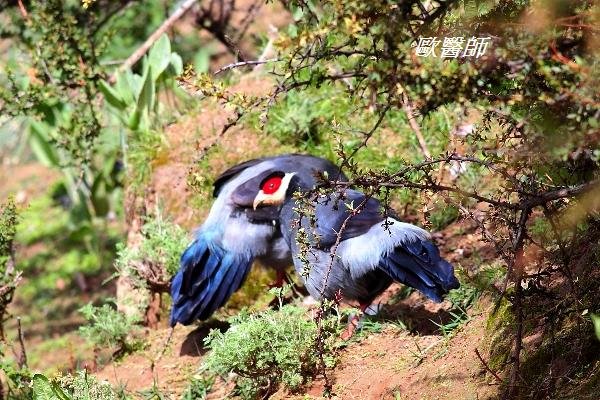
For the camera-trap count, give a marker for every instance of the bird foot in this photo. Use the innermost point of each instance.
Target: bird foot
(353, 324)
(355, 320)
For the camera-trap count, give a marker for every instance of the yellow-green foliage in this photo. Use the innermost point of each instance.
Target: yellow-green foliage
(161, 246)
(266, 349)
(109, 327)
(80, 386)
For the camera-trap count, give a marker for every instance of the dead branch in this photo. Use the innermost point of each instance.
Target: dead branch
(410, 114)
(133, 58)
(22, 359)
(487, 367)
(243, 64)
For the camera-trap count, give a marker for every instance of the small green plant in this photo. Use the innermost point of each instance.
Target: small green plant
(156, 259)
(267, 349)
(198, 388)
(16, 379)
(109, 327)
(133, 98)
(84, 386)
(80, 386)
(154, 392)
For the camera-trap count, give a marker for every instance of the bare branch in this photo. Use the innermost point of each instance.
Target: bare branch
(487, 367)
(409, 110)
(243, 64)
(132, 59)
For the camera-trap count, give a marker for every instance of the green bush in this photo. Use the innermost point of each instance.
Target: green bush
(80, 386)
(109, 327)
(160, 249)
(267, 349)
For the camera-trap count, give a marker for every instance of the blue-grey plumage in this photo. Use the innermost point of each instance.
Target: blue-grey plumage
(236, 233)
(373, 250)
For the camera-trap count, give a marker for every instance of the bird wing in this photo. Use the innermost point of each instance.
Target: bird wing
(207, 278)
(417, 263)
(372, 241)
(332, 211)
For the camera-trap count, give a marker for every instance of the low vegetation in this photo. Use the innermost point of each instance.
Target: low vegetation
(267, 349)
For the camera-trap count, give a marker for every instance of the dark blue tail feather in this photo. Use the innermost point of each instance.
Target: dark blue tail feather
(418, 264)
(207, 277)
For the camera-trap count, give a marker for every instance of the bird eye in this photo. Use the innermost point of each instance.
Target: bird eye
(271, 185)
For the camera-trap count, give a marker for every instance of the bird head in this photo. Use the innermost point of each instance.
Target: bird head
(273, 189)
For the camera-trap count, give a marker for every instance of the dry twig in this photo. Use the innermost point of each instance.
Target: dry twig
(133, 58)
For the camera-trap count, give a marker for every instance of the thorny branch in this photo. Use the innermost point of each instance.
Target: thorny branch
(243, 64)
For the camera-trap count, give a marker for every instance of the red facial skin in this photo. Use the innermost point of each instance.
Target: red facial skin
(271, 185)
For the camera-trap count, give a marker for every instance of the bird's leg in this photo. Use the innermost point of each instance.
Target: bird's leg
(354, 322)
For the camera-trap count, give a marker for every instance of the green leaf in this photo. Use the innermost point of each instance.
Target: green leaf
(111, 95)
(177, 63)
(99, 196)
(125, 87)
(596, 322)
(43, 389)
(134, 120)
(137, 83)
(159, 56)
(146, 98)
(41, 146)
(202, 60)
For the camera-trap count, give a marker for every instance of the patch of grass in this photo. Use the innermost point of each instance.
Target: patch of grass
(303, 119)
(58, 248)
(267, 349)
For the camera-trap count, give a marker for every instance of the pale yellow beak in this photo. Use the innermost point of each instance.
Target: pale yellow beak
(260, 197)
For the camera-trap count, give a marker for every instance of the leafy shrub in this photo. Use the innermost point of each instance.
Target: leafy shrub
(109, 327)
(83, 386)
(267, 349)
(158, 253)
(16, 379)
(80, 386)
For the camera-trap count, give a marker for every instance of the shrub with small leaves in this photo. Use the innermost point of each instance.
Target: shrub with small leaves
(80, 386)
(156, 259)
(267, 349)
(109, 327)
(83, 386)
